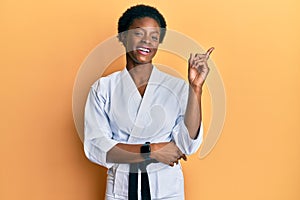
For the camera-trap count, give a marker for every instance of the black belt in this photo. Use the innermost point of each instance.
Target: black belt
(133, 181)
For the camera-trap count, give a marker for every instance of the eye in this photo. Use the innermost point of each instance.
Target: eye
(138, 33)
(155, 38)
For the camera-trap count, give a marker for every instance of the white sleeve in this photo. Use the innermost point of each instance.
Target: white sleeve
(97, 132)
(180, 133)
(182, 138)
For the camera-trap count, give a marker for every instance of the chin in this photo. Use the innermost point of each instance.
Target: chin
(143, 60)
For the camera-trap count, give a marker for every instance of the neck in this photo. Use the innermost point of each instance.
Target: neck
(140, 73)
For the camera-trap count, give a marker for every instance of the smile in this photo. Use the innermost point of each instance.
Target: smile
(144, 50)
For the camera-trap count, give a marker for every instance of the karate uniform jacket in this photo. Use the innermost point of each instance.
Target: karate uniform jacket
(115, 112)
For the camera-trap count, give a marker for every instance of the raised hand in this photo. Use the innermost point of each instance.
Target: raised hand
(198, 68)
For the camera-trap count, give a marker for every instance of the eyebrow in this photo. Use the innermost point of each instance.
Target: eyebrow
(145, 30)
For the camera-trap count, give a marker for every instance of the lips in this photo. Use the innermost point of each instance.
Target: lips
(143, 50)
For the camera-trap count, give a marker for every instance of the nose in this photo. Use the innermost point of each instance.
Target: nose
(146, 39)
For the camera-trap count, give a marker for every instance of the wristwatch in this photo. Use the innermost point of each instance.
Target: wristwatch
(146, 151)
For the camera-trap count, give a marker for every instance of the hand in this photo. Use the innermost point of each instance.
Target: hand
(198, 68)
(166, 152)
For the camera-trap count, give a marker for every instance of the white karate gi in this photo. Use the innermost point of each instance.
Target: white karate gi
(115, 113)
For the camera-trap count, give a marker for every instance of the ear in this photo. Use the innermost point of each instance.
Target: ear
(123, 37)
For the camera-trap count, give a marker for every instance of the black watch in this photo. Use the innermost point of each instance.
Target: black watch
(146, 151)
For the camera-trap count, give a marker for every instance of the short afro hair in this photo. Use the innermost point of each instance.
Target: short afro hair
(140, 11)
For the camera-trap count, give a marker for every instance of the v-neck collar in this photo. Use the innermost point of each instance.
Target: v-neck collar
(150, 80)
(140, 111)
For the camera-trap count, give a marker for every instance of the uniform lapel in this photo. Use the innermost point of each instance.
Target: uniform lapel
(147, 115)
(125, 102)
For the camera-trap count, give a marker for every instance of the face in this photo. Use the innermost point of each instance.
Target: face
(141, 40)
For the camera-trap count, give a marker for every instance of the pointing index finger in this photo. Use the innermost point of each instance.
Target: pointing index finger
(209, 52)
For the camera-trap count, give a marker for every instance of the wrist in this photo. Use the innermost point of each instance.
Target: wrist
(145, 151)
(195, 90)
(153, 149)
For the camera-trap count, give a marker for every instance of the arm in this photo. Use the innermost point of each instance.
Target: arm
(197, 73)
(101, 148)
(166, 152)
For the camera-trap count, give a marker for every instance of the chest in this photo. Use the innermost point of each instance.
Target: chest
(149, 116)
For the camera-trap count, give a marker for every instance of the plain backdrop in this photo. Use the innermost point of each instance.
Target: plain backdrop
(43, 43)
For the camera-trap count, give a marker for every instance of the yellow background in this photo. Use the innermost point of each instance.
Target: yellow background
(257, 43)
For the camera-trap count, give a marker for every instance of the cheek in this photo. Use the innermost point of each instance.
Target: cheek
(130, 43)
(154, 50)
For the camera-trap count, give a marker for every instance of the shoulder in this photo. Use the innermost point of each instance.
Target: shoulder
(105, 82)
(175, 82)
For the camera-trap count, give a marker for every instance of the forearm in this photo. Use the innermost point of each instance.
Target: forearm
(125, 153)
(164, 152)
(130, 153)
(193, 114)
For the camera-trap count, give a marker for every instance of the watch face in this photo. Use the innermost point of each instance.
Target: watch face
(145, 148)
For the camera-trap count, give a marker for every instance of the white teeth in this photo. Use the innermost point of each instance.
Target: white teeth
(144, 49)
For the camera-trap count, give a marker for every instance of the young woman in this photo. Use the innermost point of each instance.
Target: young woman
(139, 122)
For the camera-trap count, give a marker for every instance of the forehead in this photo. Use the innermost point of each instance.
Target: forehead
(145, 22)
